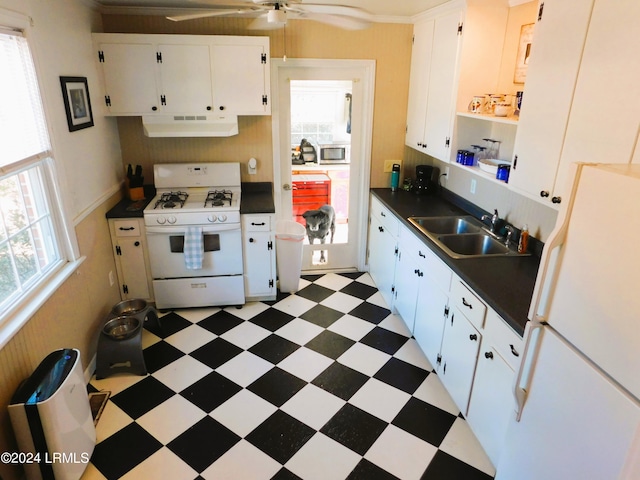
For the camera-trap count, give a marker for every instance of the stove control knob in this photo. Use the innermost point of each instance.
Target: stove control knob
(171, 219)
(161, 220)
(211, 218)
(222, 218)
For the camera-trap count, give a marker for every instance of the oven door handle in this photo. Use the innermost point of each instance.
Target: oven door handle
(222, 227)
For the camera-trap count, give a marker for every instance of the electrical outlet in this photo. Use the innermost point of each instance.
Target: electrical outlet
(388, 165)
(111, 279)
(473, 186)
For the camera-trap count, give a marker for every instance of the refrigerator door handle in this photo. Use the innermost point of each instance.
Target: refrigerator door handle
(549, 260)
(525, 371)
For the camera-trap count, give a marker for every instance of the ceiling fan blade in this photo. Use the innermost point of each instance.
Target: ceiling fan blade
(341, 10)
(205, 14)
(340, 21)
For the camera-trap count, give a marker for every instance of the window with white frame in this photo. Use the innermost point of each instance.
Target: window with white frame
(32, 248)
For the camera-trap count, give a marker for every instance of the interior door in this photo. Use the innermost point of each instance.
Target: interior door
(309, 94)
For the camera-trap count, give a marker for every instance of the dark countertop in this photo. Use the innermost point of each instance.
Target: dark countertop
(504, 283)
(257, 197)
(126, 208)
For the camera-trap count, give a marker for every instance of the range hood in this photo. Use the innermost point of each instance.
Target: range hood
(190, 125)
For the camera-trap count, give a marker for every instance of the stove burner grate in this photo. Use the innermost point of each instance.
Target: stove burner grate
(172, 200)
(217, 198)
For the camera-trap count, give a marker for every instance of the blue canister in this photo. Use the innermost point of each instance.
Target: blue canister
(395, 177)
(503, 172)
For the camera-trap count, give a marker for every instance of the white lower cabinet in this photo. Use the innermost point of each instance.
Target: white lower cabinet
(131, 257)
(383, 249)
(259, 255)
(491, 405)
(460, 346)
(472, 349)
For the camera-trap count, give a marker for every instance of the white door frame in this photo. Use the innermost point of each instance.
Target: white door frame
(366, 69)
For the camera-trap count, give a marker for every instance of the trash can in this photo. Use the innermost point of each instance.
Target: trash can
(289, 237)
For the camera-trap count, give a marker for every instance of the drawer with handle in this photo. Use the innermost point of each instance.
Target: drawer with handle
(503, 339)
(127, 228)
(468, 303)
(256, 223)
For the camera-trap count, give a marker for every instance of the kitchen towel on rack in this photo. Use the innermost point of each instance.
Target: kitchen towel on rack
(193, 248)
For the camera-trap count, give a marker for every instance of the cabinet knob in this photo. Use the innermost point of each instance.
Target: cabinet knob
(154, 108)
(556, 199)
(473, 336)
(544, 194)
(488, 355)
(222, 107)
(251, 240)
(209, 107)
(380, 229)
(137, 244)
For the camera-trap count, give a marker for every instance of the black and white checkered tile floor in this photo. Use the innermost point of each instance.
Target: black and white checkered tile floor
(324, 384)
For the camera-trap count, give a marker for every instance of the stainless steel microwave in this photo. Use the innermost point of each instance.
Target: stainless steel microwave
(334, 154)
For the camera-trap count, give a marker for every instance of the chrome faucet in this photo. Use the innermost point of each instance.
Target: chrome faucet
(494, 220)
(510, 231)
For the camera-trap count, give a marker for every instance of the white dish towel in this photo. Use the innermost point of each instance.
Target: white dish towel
(193, 248)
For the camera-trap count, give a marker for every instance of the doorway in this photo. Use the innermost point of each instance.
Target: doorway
(322, 121)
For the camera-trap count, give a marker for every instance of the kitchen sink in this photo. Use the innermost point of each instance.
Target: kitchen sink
(442, 225)
(462, 236)
(474, 244)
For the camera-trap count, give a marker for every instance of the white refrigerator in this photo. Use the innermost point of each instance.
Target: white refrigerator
(578, 388)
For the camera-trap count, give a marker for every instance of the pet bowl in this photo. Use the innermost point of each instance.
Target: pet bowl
(129, 307)
(121, 328)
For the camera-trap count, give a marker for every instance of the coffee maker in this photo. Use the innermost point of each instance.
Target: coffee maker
(424, 185)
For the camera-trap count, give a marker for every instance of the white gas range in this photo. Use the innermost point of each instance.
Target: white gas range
(194, 235)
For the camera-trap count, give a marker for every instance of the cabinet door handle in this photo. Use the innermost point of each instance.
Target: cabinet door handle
(467, 304)
(380, 229)
(126, 228)
(261, 224)
(382, 214)
(420, 254)
(473, 337)
(556, 200)
(488, 355)
(544, 193)
(514, 352)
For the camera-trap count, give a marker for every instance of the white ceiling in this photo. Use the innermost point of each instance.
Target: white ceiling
(385, 9)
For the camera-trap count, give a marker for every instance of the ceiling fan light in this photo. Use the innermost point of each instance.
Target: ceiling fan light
(277, 16)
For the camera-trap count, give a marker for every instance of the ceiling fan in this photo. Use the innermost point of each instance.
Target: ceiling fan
(272, 15)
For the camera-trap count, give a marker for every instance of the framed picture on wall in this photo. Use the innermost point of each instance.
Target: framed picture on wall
(75, 93)
(524, 51)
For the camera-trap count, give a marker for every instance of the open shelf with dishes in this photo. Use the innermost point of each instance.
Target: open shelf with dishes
(489, 117)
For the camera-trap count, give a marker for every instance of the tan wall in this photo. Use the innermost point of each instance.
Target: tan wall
(71, 318)
(388, 44)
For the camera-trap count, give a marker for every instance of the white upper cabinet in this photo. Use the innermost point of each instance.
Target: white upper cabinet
(186, 79)
(246, 93)
(582, 96)
(129, 77)
(605, 115)
(419, 82)
(552, 73)
(184, 74)
(432, 84)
